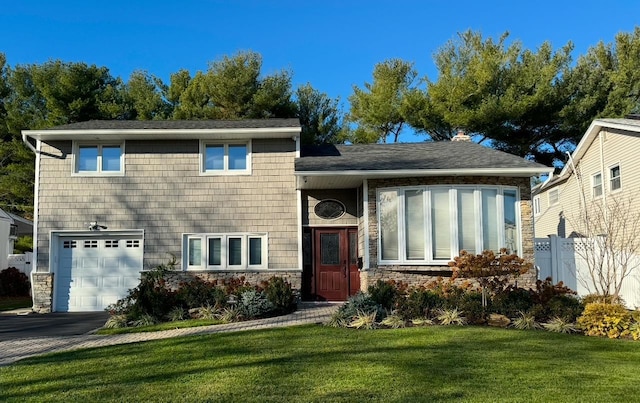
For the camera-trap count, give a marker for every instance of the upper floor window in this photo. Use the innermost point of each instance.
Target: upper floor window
(536, 205)
(226, 158)
(99, 159)
(554, 197)
(596, 185)
(614, 178)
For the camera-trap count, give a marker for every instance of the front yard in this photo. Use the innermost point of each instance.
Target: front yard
(314, 363)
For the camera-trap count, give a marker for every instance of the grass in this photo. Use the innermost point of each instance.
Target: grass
(162, 326)
(321, 364)
(10, 303)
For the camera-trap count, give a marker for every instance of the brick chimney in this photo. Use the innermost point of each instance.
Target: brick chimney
(461, 136)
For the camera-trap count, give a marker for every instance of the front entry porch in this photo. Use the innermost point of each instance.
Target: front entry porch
(332, 274)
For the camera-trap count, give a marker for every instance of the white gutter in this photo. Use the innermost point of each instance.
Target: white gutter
(428, 172)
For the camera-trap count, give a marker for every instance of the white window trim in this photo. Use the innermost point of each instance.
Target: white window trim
(76, 153)
(602, 189)
(402, 259)
(536, 205)
(550, 201)
(225, 170)
(610, 178)
(224, 237)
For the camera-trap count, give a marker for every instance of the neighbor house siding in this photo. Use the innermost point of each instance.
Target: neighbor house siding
(163, 192)
(421, 274)
(618, 147)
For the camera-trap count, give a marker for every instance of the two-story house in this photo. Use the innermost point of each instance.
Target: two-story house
(598, 176)
(243, 198)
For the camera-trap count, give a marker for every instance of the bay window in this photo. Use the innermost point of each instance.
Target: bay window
(225, 251)
(432, 224)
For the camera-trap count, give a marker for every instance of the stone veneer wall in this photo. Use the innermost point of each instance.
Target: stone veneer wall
(421, 274)
(174, 278)
(42, 292)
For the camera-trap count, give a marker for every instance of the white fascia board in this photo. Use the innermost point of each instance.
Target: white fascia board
(525, 172)
(162, 134)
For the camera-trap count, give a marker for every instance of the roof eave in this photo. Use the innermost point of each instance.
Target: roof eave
(162, 134)
(521, 172)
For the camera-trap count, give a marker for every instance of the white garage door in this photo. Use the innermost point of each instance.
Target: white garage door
(94, 272)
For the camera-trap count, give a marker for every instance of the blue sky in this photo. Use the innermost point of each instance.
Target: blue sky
(332, 44)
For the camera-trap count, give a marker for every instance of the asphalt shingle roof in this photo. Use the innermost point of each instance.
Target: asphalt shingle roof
(407, 156)
(178, 124)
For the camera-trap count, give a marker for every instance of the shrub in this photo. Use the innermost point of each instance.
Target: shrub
(116, 322)
(144, 320)
(566, 307)
(451, 317)
(545, 291)
(363, 320)
(610, 320)
(525, 321)
(152, 296)
(419, 304)
(510, 301)
(280, 295)
(229, 314)
(471, 304)
(13, 283)
(393, 321)
(488, 265)
(387, 293)
(603, 299)
(176, 314)
(197, 292)
(360, 303)
(253, 304)
(205, 312)
(560, 325)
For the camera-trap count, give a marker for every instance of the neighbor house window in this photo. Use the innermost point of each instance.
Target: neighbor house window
(596, 184)
(226, 158)
(225, 251)
(614, 178)
(554, 197)
(432, 224)
(536, 205)
(99, 159)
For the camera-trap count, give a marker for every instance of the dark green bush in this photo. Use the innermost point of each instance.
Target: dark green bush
(13, 283)
(470, 304)
(511, 301)
(280, 295)
(387, 293)
(419, 304)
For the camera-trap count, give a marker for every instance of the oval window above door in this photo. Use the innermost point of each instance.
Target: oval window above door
(329, 209)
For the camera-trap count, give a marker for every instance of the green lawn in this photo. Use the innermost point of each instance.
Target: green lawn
(320, 364)
(9, 303)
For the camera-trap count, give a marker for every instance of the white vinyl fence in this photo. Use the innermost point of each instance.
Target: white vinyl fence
(557, 258)
(22, 263)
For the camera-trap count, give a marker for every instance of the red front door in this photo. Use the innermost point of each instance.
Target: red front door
(336, 274)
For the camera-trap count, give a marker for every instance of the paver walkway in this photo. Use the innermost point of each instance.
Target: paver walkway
(15, 350)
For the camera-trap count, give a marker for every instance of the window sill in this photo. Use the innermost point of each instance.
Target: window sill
(96, 174)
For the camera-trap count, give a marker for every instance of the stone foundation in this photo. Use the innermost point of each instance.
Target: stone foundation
(42, 292)
(174, 278)
(418, 278)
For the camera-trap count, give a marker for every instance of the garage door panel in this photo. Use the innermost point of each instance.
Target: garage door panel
(92, 274)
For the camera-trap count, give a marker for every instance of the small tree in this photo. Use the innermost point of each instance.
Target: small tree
(488, 266)
(610, 243)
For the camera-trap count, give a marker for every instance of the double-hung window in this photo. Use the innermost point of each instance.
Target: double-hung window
(98, 159)
(226, 158)
(596, 185)
(225, 251)
(614, 178)
(536, 205)
(432, 224)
